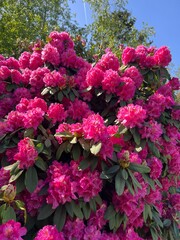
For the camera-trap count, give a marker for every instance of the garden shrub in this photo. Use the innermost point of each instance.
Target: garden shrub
(89, 151)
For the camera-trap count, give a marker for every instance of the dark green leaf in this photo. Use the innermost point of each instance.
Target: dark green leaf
(29, 132)
(45, 211)
(59, 217)
(110, 212)
(86, 210)
(149, 181)
(134, 180)
(72, 96)
(129, 186)
(136, 135)
(47, 143)
(167, 223)
(95, 149)
(77, 210)
(105, 176)
(84, 164)
(98, 200)
(41, 164)
(61, 149)
(84, 144)
(92, 204)
(60, 96)
(31, 179)
(154, 149)
(119, 184)
(118, 220)
(108, 97)
(69, 209)
(112, 223)
(139, 168)
(76, 152)
(8, 214)
(124, 174)
(112, 169)
(127, 136)
(94, 163)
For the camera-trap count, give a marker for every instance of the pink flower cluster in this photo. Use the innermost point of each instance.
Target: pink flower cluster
(27, 154)
(68, 182)
(147, 57)
(12, 230)
(131, 115)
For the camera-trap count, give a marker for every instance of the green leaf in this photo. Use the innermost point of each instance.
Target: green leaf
(84, 144)
(95, 149)
(60, 96)
(147, 212)
(69, 209)
(40, 147)
(29, 132)
(118, 220)
(129, 186)
(98, 200)
(93, 163)
(72, 96)
(86, 210)
(122, 129)
(110, 212)
(134, 180)
(105, 176)
(84, 164)
(167, 223)
(59, 217)
(76, 152)
(112, 169)
(127, 136)
(124, 174)
(47, 143)
(15, 176)
(45, 211)
(139, 168)
(136, 135)
(31, 179)
(8, 214)
(149, 181)
(112, 223)
(41, 164)
(77, 210)
(61, 149)
(119, 184)
(92, 204)
(11, 167)
(154, 234)
(20, 186)
(154, 149)
(108, 97)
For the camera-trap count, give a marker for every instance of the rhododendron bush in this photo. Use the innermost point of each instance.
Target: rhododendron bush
(89, 151)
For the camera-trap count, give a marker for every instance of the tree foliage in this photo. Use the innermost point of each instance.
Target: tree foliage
(24, 21)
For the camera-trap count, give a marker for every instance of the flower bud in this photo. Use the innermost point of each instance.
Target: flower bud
(9, 193)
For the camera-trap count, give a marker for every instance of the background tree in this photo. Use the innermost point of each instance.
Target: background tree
(23, 21)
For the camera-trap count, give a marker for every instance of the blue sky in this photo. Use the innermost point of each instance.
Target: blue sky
(163, 15)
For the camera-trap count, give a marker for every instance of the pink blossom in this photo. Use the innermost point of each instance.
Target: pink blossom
(91, 232)
(50, 54)
(24, 60)
(56, 112)
(35, 61)
(128, 55)
(4, 72)
(54, 79)
(20, 93)
(33, 118)
(108, 61)
(94, 128)
(127, 90)
(135, 75)
(175, 83)
(156, 167)
(15, 120)
(37, 103)
(12, 63)
(36, 79)
(94, 77)
(175, 114)
(152, 130)
(49, 232)
(26, 154)
(16, 76)
(33, 201)
(12, 230)
(131, 115)
(162, 56)
(78, 110)
(97, 218)
(5, 176)
(74, 229)
(111, 81)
